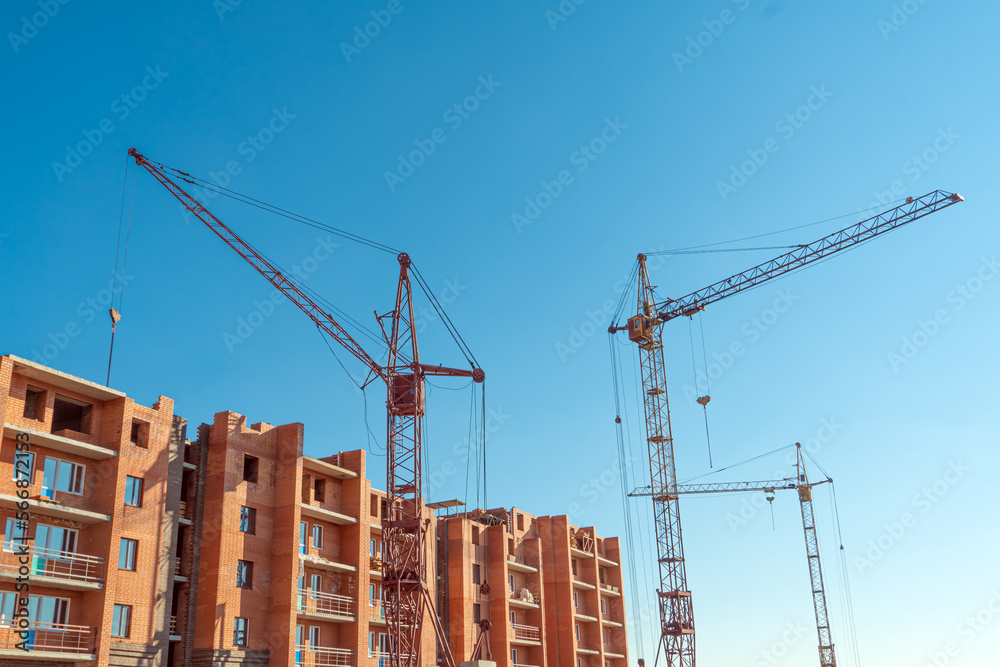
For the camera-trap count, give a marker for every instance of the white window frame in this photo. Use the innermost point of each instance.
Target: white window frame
(142, 489)
(67, 543)
(246, 631)
(317, 536)
(510, 583)
(76, 480)
(303, 537)
(314, 637)
(124, 617)
(31, 467)
(14, 537)
(130, 545)
(604, 606)
(576, 599)
(576, 631)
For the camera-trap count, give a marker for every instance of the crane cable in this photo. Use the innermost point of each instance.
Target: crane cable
(115, 313)
(702, 400)
(626, 509)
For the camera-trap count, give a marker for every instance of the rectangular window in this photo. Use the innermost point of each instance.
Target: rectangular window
(56, 538)
(316, 582)
(604, 606)
(475, 573)
(371, 642)
(314, 636)
(576, 600)
(579, 662)
(121, 620)
(317, 536)
(476, 613)
(241, 628)
(140, 434)
(605, 636)
(520, 521)
(373, 506)
(248, 520)
(513, 656)
(45, 609)
(250, 464)
(513, 618)
(24, 466)
(371, 595)
(70, 414)
(303, 538)
(576, 629)
(510, 582)
(15, 535)
(34, 404)
(133, 491)
(319, 490)
(126, 553)
(244, 574)
(59, 475)
(572, 564)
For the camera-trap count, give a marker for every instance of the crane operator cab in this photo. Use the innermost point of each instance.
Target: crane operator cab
(642, 327)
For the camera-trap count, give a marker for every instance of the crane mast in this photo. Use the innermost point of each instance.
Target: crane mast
(801, 484)
(404, 576)
(644, 329)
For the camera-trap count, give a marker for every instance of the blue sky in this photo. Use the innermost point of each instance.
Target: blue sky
(627, 125)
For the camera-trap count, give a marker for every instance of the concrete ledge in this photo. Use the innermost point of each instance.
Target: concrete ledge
(584, 585)
(613, 624)
(324, 564)
(521, 567)
(55, 656)
(330, 618)
(584, 617)
(327, 515)
(59, 443)
(521, 604)
(49, 508)
(65, 380)
(606, 561)
(314, 464)
(55, 582)
(580, 552)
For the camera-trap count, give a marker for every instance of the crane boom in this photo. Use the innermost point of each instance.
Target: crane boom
(677, 630)
(827, 657)
(404, 585)
(913, 209)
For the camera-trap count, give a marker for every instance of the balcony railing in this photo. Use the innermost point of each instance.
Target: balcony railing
(173, 625)
(382, 657)
(527, 633)
(52, 563)
(376, 610)
(314, 602)
(58, 638)
(317, 656)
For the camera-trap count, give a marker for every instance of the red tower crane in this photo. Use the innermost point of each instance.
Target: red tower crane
(404, 585)
(644, 329)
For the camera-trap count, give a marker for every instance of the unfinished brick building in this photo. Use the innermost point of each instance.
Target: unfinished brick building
(144, 548)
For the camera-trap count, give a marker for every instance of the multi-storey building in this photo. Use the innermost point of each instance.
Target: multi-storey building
(552, 595)
(126, 544)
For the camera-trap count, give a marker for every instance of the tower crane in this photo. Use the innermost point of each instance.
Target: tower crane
(800, 483)
(677, 628)
(406, 596)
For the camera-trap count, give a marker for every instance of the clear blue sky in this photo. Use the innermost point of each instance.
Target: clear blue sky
(902, 95)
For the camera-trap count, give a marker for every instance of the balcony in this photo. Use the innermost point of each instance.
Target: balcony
(608, 589)
(48, 567)
(70, 643)
(515, 564)
(317, 656)
(322, 514)
(60, 443)
(577, 583)
(325, 607)
(174, 635)
(331, 468)
(582, 615)
(320, 563)
(603, 560)
(46, 507)
(376, 611)
(525, 634)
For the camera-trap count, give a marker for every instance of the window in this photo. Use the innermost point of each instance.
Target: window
(56, 538)
(371, 548)
(303, 537)
(34, 404)
(248, 520)
(241, 627)
(604, 606)
(520, 521)
(140, 434)
(372, 598)
(576, 629)
(572, 565)
(319, 490)
(244, 574)
(579, 662)
(24, 466)
(316, 582)
(317, 536)
(600, 575)
(576, 600)
(607, 663)
(475, 573)
(510, 582)
(15, 535)
(133, 491)
(126, 553)
(44, 609)
(605, 636)
(121, 620)
(513, 618)
(476, 613)
(314, 636)
(59, 475)
(373, 506)
(7, 603)
(250, 469)
(513, 656)
(70, 414)
(371, 642)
